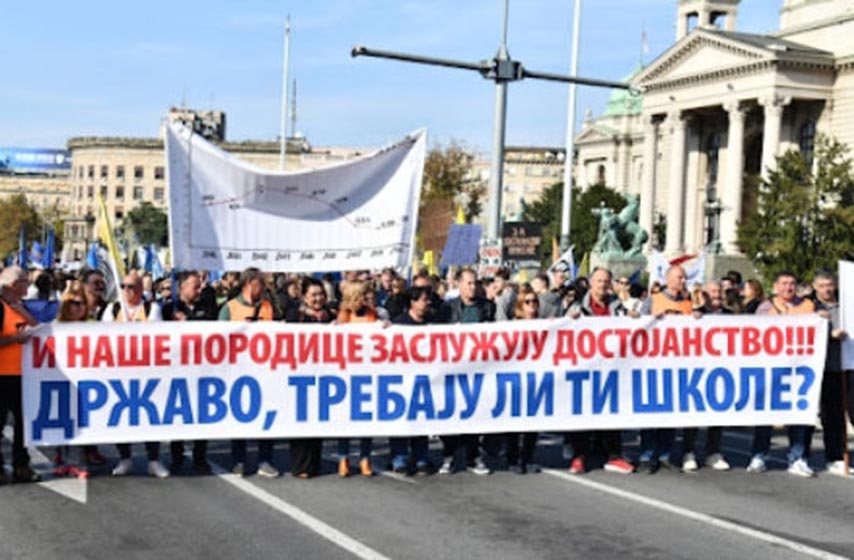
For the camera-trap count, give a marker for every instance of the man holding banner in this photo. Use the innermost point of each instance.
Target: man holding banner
(248, 306)
(131, 307)
(784, 302)
(832, 390)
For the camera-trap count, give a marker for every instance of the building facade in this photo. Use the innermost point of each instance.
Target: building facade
(719, 106)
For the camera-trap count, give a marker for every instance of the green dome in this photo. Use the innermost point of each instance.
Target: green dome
(622, 101)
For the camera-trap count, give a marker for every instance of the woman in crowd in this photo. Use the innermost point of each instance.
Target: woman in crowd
(72, 309)
(398, 301)
(520, 446)
(306, 453)
(753, 296)
(356, 307)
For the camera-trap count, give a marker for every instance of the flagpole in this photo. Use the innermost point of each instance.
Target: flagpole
(566, 207)
(283, 125)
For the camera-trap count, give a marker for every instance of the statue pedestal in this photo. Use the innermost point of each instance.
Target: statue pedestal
(617, 265)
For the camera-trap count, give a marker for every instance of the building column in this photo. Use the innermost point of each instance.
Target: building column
(676, 185)
(771, 132)
(650, 156)
(731, 196)
(692, 187)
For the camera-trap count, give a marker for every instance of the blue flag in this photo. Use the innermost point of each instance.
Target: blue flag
(92, 256)
(49, 248)
(35, 255)
(157, 270)
(23, 258)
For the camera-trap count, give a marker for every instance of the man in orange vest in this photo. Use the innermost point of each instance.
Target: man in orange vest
(132, 307)
(672, 300)
(784, 302)
(249, 306)
(16, 321)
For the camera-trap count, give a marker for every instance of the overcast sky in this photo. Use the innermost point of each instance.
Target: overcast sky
(114, 68)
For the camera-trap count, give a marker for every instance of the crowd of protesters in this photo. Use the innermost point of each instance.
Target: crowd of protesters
(29, 299)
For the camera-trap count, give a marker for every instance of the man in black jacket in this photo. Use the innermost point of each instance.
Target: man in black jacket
(188, 305)
(467, 308)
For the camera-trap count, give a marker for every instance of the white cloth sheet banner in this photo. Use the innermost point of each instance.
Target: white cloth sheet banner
(227, 214)
(99, 383)
(846, 309)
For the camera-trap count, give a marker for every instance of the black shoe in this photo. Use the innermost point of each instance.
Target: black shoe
(176, 467)
(402, 469)
(518, 469)
(26, 474)
(424, 469)
(648, 467)
(202, 469)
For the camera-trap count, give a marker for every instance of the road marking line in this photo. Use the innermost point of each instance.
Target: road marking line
(396, 476)
(73, 488)
(323, 529)
(697, 516)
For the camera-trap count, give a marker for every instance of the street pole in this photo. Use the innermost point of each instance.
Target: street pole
(569, 160)
(283, 137)
(502, 70)
(499, 129)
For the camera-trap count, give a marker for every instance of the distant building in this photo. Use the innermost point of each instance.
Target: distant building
(718, 106)
(129, 171)
(40, 174)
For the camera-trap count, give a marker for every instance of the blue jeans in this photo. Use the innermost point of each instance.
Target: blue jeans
(365, 447)
(800, 441)
(655, 444)
(402, 447)
(265, 450)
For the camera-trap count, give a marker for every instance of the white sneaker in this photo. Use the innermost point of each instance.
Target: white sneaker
(156, 468)
(838, 468)
(757, 465)
(123, 467)
(717, 462)
(479, 467)
(801, 468)
(447, 467)
(268, 470)
(689, 463)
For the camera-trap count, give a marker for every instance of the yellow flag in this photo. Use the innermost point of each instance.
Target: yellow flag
(429, 262)
(461, 216)
(555, 250)
(584, 267)
(105, 233)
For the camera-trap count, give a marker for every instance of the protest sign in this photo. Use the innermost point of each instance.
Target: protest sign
(96, 383)
(846, 308)
(227, 214)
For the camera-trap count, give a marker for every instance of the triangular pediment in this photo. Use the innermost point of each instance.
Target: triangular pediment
(700, 53)
(593, 133)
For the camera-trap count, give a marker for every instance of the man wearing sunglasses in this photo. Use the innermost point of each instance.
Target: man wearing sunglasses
(132, 307)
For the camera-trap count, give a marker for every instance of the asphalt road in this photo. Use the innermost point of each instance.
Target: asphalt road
(547, 515)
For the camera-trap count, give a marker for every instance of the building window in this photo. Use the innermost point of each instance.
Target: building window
(90, 192)
(91, 172)
(158, 172)
(158, 193)
(138, 172)
(120, 172)
(806, 142)
(137, 193)
(80, 172)
(120, 214)
(120, 192)
(104, 191)
(104, 172)
(600, 175)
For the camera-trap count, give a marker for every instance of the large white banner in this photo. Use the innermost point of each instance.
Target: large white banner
(846, 309)
(226, 214)
(125, 382)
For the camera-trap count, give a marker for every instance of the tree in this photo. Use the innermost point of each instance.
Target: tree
(15, 212)
(150, 224)
(804, 219)
(448, 175)
(585, 219)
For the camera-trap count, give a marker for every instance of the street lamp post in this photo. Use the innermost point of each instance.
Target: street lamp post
(502, 70)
